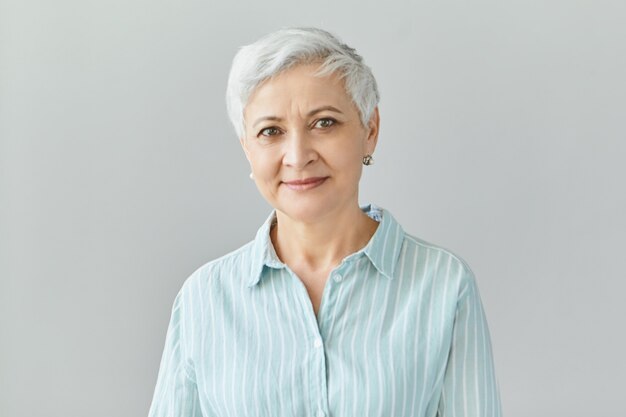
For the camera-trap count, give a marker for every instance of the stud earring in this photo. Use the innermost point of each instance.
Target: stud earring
(368, 160)
(251, 176)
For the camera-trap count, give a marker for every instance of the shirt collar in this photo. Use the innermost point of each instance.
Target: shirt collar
(383, 249)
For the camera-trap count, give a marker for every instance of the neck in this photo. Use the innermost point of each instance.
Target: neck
(321, 245)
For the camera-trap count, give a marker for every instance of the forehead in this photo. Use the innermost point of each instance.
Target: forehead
(298, 89)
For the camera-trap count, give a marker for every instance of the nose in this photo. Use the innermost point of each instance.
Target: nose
(299, 151)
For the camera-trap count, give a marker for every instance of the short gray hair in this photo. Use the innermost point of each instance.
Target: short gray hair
(287, 47)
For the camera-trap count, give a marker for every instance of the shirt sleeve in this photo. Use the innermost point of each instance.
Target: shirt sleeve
(470, 387)
(176, 393)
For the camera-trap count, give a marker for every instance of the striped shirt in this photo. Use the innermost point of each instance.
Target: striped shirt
(400, 332)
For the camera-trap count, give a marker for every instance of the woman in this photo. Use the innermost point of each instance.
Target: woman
(332, 310)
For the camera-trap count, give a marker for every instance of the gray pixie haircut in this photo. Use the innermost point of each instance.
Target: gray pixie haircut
(280, 50)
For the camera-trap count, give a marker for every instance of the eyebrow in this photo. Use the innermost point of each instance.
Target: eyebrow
(309, 114)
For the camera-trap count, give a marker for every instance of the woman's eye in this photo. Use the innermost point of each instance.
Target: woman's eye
(269, 131)
(326, 122)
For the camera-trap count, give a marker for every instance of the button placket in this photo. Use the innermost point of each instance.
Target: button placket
(318, 344)
(318, 389)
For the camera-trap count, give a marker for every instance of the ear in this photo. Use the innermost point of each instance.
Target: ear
(243, 143)
(373, 127)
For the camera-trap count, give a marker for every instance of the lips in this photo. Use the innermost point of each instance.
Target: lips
(305, 184)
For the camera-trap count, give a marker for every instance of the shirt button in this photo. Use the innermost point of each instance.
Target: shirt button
(338, 278)
(318, 344)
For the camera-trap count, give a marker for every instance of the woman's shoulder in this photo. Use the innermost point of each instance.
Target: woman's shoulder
(230, 264)
(416, 251)
(438, 259)
(418, 244)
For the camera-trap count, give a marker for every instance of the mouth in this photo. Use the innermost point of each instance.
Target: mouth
(305, 184)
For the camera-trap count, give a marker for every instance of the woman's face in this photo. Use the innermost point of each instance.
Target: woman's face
(305, 143)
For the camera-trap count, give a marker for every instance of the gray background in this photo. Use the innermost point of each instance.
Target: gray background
(502, 138)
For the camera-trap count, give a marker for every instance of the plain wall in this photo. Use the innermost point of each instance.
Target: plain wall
(120, 174)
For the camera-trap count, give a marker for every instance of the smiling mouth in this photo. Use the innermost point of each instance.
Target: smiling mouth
(306, 184)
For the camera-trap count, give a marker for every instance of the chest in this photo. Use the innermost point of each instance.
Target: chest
(375, 348)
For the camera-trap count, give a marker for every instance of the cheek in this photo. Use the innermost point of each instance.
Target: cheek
(349, 166)
(265, 164)
(348, 157)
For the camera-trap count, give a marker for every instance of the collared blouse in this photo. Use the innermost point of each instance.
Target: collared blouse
(400, 332)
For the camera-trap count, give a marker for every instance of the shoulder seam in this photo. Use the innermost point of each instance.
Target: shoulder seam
(429, 245)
